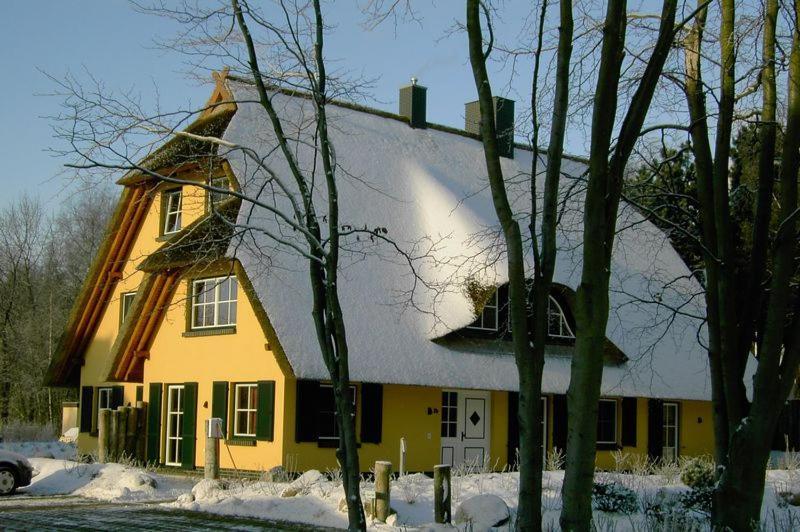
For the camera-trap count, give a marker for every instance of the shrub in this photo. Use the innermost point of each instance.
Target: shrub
(699, 498)
(615, 498)
(698, 473)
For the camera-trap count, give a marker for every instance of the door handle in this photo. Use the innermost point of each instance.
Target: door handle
(462, 436)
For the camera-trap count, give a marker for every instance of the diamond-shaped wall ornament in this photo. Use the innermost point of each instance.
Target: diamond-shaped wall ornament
(474, 418)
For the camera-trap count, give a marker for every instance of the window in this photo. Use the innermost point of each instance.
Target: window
(104, 400)
(174, 424)
(449, 414)
(607, 421)
(327, 427)
(488, 319)
(126, 302)
(215, 198)
(557, 324)
(171, 203)
(245, 407)
(214, 302)
(670, 432)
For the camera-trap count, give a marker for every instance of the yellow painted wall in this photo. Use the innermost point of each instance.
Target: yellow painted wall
(239, 357)
(97, 351)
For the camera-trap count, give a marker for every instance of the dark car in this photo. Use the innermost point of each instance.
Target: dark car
(15, 472)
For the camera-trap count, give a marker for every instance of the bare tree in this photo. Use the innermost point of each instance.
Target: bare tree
(529, 330)
(599, 227)
(751, 294)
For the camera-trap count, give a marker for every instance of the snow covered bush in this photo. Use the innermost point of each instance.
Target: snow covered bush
(411, 486)
(554, 459)
(17, 431)
(615, 498)
(699, 498)
(698, 473)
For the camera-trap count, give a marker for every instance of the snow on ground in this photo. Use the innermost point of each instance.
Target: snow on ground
(316, 500)
(42, 449)
(108, 482)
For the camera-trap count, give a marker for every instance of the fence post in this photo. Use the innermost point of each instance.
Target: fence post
(122, 426)
(441, 494)
(130, 432)
(103, 434)
(383, 470)
(211, 470)
(112, 436)
(141, 430)
(403, 449)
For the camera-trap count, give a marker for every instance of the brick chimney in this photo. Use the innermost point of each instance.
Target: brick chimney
(412, 104)
(503, 119)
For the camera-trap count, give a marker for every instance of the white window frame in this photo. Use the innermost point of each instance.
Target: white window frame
(122, 298)
(104, 394)
(616, 420)
(175, 440)
(173, 212)
(488, 306)
(676, 426)
(449, 408)
(252, 391)
(562, 321)
(355, 402)
(215, 198)
(216, 303)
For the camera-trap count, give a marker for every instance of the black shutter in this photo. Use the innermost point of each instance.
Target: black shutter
(117, 396)
(139, 393)
(265, 416)
(371, 412)
(655, 428)
(629, 421)
(793, 425)
(219, 403)
(154, 423)
(189, 429)
(87, 399)
(513, 427)
(306, 412)
(560, 422)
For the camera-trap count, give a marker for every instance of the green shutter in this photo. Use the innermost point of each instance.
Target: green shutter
(371, 412)
(117, 397)
(154, 423)
(305, 412)
(189, 429)
(219, 403)
(265, 422)
(87, 400)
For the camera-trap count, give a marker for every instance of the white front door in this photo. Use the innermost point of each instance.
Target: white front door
(174, 424)
(465, 427)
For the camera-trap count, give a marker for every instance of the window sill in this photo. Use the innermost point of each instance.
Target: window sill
(167, 237)
(608, 446)
(241, 441)
(216, 331)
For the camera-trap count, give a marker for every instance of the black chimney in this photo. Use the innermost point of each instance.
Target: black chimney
(503, 120)
(412, 104)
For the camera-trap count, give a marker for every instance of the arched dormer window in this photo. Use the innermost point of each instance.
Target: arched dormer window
(489, 317)
(557, 324)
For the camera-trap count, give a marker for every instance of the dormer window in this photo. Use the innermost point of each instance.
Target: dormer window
(490, 316)
(557, 324)
(215, 197)
(171, 201)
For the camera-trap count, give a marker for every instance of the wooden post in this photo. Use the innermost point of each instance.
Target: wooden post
(103, 434)
(130, 432)
(441, 494)
(382, 490)
(122, 426)
(141, 431)
(113, 435)
(211, 470)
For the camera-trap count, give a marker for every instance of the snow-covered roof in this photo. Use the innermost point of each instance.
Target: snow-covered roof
(428, 188)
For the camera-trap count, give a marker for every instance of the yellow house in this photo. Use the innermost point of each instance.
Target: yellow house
(194, 306)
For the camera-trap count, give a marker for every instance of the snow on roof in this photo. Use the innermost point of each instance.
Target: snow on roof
(428, 188)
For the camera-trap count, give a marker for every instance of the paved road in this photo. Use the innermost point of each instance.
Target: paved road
(67, 513)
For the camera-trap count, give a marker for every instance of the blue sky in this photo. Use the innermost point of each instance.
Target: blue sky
(113, 42)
